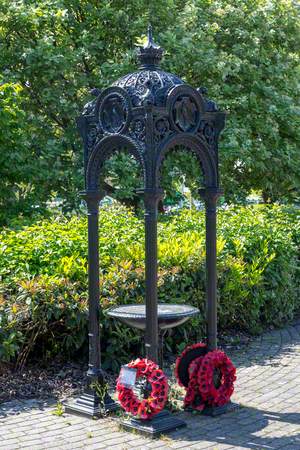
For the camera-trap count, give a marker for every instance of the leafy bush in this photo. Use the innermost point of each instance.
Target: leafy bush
(53, 52)
(43, 302)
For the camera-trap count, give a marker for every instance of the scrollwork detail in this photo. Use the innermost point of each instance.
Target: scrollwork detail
(137, 129)
(207, 130)
(89, 108)
(161, 128)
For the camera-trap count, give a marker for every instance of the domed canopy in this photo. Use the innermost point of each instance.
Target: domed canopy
(150, 84)
(149, 112)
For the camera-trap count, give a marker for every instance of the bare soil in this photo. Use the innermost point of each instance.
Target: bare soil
(60, 379)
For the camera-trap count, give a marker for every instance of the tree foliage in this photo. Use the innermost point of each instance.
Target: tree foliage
(247, 54)
(52, 52)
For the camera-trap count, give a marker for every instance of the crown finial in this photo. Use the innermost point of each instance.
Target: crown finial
(150, 36)
(150, 54)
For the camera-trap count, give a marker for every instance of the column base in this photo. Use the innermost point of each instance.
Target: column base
(161, 423)
(215, 411)
(88, 405)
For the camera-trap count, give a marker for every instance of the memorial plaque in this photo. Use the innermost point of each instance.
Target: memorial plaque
(127, 376)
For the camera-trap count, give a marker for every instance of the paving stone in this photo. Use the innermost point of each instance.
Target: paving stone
(10, 446)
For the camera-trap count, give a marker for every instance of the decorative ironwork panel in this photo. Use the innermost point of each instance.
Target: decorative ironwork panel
(151, 110)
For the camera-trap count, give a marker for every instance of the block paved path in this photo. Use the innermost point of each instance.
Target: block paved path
(268, 390)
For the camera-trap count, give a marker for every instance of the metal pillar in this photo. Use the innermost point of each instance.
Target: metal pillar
(95, 399)
(151, 199)
(94, 371)
(210, 196)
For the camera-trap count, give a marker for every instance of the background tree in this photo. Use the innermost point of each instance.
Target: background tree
(245, 52)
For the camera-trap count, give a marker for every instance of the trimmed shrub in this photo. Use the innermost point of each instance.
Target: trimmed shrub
(43, 298)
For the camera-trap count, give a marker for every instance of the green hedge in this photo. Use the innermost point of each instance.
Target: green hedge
(43, 298)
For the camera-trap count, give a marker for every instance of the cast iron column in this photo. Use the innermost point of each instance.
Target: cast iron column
(210, 196)
(151, 199)
(94, 371)
(95, 400)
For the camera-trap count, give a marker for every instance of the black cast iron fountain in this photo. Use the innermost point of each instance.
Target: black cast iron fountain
(148, 113)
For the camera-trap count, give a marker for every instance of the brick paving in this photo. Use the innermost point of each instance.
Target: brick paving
(268, 390)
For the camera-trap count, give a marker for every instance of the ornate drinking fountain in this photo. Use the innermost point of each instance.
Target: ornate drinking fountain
(147, 113)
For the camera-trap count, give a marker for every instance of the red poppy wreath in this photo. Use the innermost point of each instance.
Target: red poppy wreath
(216, 390)
(211, 378)
(193, 398)
(183, 362)
(148, 407)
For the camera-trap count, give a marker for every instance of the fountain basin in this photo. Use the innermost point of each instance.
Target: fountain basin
(169, 315)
